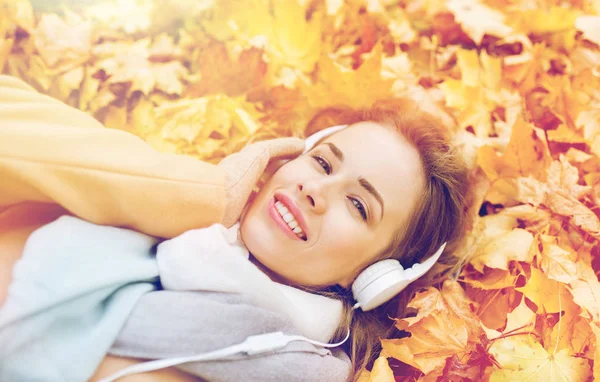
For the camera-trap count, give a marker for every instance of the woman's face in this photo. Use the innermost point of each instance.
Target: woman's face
(349, 195)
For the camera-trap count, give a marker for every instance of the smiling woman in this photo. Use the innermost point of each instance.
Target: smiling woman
(390, 185)
(387, 186)
(336, 193)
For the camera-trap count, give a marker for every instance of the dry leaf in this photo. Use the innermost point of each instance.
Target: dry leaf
(444, 326)
(522, 358)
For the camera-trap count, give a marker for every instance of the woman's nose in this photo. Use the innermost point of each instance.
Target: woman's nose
(314, 195)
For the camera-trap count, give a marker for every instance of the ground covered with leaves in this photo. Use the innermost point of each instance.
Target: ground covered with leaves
(518, 82)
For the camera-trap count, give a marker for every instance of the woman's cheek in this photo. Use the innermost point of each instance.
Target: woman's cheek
(344, 238)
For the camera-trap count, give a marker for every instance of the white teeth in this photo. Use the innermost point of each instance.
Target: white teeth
(289, 219)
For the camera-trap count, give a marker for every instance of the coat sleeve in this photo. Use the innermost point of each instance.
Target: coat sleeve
(51, 152)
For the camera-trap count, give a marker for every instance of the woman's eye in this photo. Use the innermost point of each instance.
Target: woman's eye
(359, 206)
(323, 163)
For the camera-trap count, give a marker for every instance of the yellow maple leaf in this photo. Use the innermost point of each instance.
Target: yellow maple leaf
(586, 291)
(524, 359)
(477, 19)
(338, 85)
(544, 292)
(555, 24)
(572, 332)
(472, 96)
(62, 44)
(444, 326)
(490, 279)
(556, 262)
(129, 64)
(520, 319)
(294, 41)
(207, 127)
(381, 372)
(226, 20)
(514, 245)
(589, 120)
(493, 306)
(563, 134)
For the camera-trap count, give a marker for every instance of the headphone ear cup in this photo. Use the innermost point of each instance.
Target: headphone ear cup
(386, 278)
(375, 284)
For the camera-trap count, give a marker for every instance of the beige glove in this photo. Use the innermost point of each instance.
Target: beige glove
(244, 169)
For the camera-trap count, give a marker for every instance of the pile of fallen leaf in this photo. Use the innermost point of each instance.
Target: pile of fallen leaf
(517, 81)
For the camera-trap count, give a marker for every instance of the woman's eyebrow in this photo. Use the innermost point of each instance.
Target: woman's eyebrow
(369, 187)
(336, 151)
(362, 181)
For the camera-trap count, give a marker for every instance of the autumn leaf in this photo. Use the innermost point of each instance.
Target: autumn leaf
(477, 19)
(338, 85)
(444, 326)
(522, 358)
(493, 305)
(61, 44)
(586, 291)
(499, 241)
(555, 25)
(589, 26)
(381, 372)
(545, 293)
(556, 262)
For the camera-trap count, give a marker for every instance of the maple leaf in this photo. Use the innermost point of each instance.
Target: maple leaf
(280, 27)
(294, 41)
(479, 93)
(493, 305)
(556, 262)
(499, 242)
(226, 20)
(560, 194)
(381, 372)
(338, 85)
(544, 292)
(130, 65)
(586, 291)
(444, 326)
(555, 25)
(572, 332)
(207, 127)
(519, 319)
(60, 44)
(477, 19)
(522, 358)
(128, 15)
(588, 119)
(220, 73)
(491, 278)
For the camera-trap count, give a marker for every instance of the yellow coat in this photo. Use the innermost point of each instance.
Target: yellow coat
(55, 159)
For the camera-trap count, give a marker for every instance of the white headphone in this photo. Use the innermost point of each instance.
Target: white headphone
(386, 278)
(375, 285)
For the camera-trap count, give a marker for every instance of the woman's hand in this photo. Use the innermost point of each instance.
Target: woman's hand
(245, 168)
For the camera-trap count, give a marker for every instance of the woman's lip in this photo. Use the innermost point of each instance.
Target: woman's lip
(291, 206)
(279, 220)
